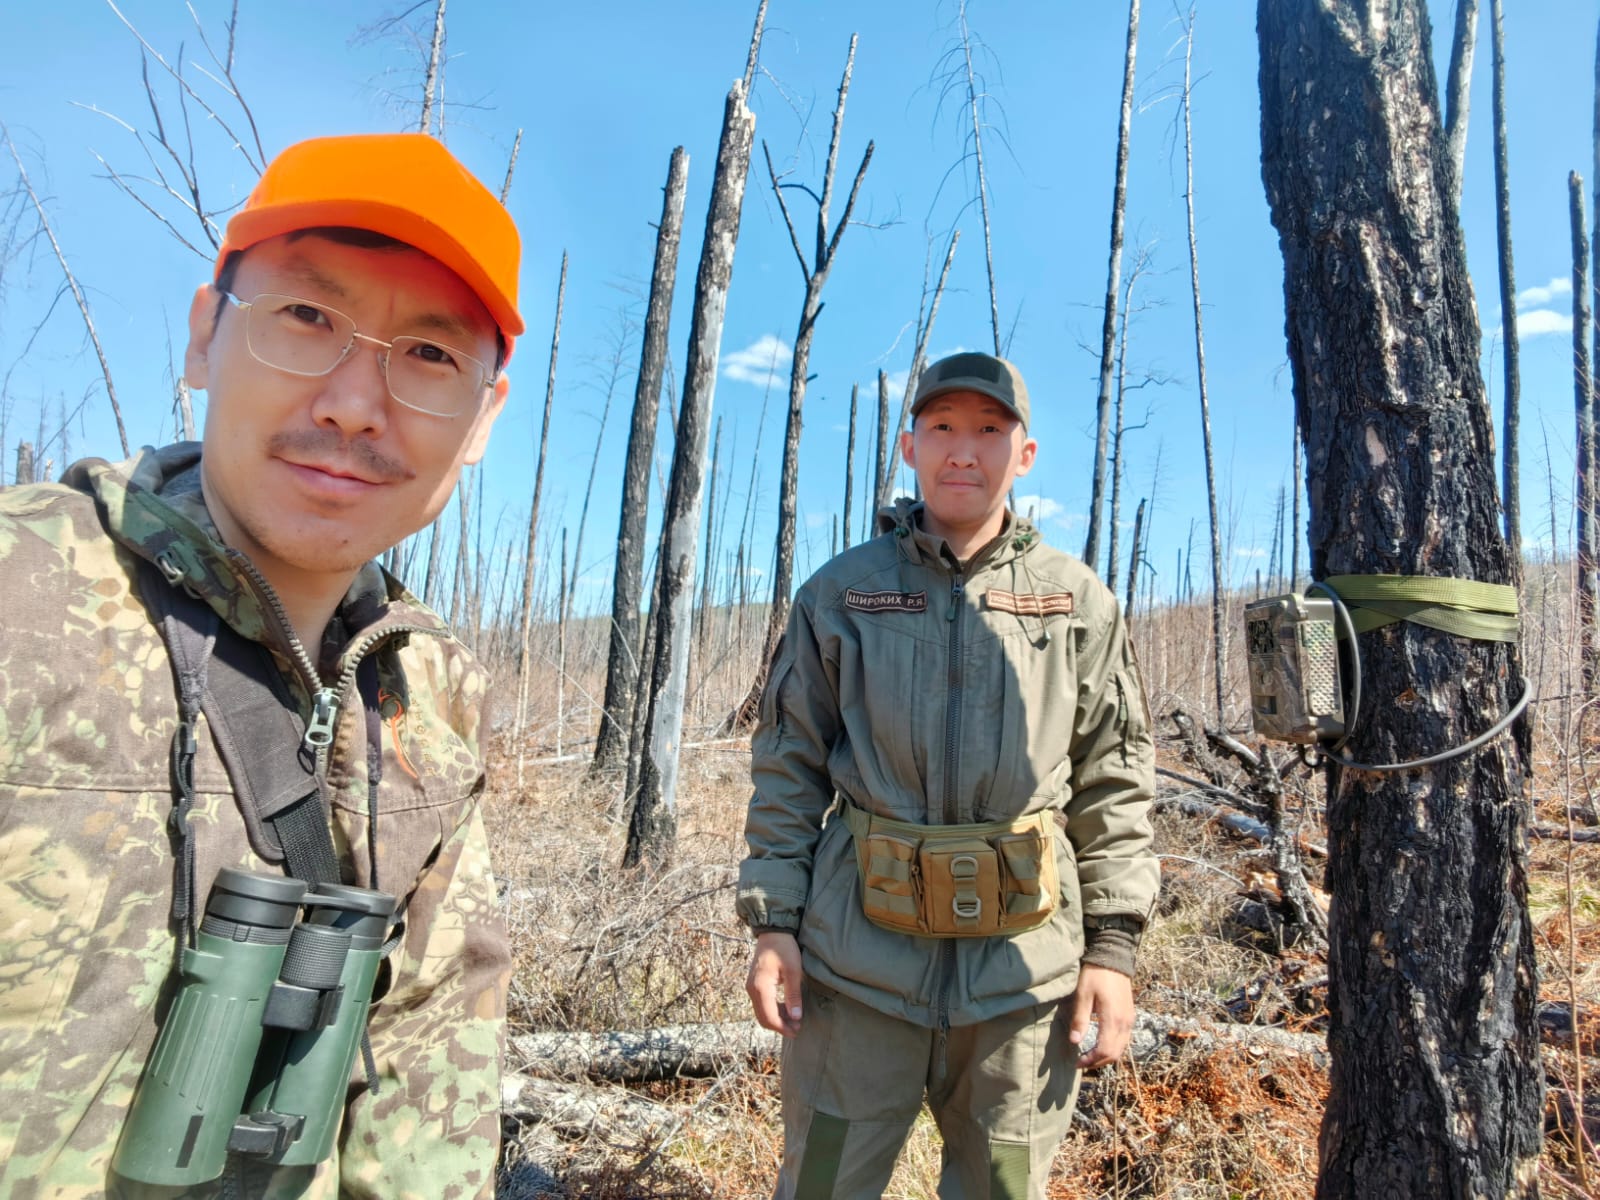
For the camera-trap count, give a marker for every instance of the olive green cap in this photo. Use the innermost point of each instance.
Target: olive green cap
(971, 371)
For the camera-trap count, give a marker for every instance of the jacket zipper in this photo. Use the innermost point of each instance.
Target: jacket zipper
(325, 701)
(952, 756)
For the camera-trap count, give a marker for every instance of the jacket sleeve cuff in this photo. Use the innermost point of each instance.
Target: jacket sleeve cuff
(1112, 947)
(758, 930)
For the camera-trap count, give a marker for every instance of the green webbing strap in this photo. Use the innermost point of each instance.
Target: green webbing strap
(1484, 611)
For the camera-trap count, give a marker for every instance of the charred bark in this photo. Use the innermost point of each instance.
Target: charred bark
(1583, 390)
(1436, 1087)
(850, 463)
(815, 274)
(1512, 357)
(622, 669)
(1108, 326)
(652, 829)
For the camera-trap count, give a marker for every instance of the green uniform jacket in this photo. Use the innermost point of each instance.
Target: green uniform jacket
(87, 712)
(941, 696)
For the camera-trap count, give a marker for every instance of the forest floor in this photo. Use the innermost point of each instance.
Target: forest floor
(600, 949)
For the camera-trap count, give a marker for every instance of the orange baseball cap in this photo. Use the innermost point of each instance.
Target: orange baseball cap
(404, 185)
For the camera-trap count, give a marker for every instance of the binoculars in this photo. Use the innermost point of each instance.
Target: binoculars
(255, 1055)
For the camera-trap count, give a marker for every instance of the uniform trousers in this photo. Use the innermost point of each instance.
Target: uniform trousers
(1001, 1092)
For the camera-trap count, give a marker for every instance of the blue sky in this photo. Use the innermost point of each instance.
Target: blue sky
(603, 93)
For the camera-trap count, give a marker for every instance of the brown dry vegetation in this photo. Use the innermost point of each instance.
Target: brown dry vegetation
(598, 949)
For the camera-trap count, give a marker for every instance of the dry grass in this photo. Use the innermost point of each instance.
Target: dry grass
(598, 948)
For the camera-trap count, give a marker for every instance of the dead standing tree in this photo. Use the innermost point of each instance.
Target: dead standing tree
(1436, 1086)
(1508, 295)
(1219, 640)
(1458, 89)
(816, 276)
(653, 825)
(1583, 389)
(958, 75)
(1108, 327)
(927, 314)
(627, 581)
(525, 645)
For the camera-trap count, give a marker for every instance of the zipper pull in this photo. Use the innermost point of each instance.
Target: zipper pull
(957, 586)
(324, 708)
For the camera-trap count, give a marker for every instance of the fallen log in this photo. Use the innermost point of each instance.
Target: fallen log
(1561, 833)
(638, 1056)
(689, 1051)
(577, 1110)
(1245, 827)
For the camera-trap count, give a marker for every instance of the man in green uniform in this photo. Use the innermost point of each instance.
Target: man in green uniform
(949, 848)
(351, 343)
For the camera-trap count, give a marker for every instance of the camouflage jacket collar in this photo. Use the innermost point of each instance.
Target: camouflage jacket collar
(153, 506)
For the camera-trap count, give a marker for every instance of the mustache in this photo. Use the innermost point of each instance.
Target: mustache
(327, 446)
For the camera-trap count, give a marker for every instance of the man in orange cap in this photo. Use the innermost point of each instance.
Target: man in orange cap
(167, 614)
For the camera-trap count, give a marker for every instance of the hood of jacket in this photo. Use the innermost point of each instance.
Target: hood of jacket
(152, 505)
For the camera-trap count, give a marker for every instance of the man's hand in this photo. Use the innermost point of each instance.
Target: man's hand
(774, 983)
(1106, 996)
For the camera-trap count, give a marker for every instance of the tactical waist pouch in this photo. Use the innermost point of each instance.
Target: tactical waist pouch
(955, 880)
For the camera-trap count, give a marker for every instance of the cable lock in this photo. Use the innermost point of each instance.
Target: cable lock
(1296, 686)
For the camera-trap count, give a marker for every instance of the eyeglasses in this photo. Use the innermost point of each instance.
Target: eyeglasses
(302, 338)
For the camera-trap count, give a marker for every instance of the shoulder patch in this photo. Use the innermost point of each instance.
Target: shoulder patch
(911, 602)
(1047, 604)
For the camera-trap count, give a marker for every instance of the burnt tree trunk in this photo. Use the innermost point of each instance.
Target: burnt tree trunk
(24, 464)
(1219, 637)
(1134, 551)
(1108, 325)
(1436, 1087)
(918, 358)
(1583, 389)
(815, 274)
(1458, 89)
(850, 463)
(653, 825)
(525, 646)
(1508, 296)
(881, 466)
(622, 669)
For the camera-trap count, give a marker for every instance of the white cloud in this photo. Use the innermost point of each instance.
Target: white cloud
(1543, 320)
(1250, 552)
(763, 361)
(1537, 297)
(1039, 509)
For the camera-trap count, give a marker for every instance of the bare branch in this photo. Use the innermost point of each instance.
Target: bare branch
(188, 88)
(72, 282)
(794, 238)
(849, 204)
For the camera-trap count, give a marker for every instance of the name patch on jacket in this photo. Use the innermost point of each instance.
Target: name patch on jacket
(1030, 604)
(911, 602)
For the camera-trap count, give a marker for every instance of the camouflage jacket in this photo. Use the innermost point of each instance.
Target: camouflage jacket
(935, 695)
(87, 713)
